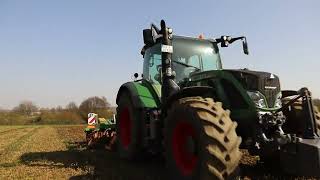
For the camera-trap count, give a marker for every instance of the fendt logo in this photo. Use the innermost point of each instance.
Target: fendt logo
(92, 118)
(272, 76)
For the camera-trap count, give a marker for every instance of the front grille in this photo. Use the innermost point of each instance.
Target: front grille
(270, 88)
(264, 82)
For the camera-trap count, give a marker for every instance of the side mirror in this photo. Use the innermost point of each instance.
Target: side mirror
(245, 46)
(147, 37)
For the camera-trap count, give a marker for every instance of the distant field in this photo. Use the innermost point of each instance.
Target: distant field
(59, 152)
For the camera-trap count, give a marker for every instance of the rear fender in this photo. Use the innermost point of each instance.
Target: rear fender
(203, 91)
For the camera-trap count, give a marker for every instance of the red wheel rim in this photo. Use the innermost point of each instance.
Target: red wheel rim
(125, 128)
(185, 159)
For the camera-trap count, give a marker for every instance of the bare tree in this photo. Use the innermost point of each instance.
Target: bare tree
(94, 104)
(72, 107)
(26, 107)
(59, 108)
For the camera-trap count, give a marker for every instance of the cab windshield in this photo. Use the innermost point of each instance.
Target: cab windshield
(189, 55)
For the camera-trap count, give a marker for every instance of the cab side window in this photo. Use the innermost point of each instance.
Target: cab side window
(152, 64)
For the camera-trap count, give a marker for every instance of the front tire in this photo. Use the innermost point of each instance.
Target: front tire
(200, 140)
(129, 129)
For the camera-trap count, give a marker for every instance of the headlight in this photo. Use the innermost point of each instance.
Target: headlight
(278, 103)
(258, 99)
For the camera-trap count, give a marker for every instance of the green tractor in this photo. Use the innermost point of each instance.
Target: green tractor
(198, 115)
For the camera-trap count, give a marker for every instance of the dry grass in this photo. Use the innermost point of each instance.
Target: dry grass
(59, 152)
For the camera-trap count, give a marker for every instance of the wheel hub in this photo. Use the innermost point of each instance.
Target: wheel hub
(125, 128)
(184, 147)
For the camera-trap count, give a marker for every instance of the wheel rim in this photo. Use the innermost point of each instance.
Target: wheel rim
(184, 154)
(125, 128)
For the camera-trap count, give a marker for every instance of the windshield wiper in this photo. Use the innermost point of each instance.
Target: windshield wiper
(187, 65)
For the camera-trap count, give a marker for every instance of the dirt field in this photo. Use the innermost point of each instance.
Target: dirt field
(59, 152)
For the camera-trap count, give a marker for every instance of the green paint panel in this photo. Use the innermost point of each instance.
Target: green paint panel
(88, 130)
(246, 113)
(101, 126)
(157, 88)
(145, 95)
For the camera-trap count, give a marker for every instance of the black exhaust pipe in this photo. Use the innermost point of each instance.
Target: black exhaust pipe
(169, 87)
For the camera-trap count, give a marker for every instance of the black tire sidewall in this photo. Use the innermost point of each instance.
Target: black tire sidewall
(134, 147)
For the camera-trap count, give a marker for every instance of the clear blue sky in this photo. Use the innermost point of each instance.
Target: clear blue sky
(54, 52)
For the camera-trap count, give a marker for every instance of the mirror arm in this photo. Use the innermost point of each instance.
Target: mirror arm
(218, 40)
(227, 40)
(237, 38)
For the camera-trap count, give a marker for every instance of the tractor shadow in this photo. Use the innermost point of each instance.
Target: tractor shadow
(252, 168)
(98, 163)
(102, 164)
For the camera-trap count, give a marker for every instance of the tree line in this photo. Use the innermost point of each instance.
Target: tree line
(27, 112)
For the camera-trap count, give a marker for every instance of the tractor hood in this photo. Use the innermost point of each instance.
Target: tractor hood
(266, 83)
(254, 81)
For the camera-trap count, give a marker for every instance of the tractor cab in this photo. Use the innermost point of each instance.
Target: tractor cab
(190, 55)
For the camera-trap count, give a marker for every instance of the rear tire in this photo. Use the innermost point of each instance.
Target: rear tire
(200, 140)
(128, 128)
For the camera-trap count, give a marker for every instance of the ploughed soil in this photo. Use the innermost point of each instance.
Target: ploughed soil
(60, 152)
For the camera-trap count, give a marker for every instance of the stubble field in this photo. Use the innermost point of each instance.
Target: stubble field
(59, 152)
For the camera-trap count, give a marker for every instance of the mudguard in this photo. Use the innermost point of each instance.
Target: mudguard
(143, 94)
(204, 91)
